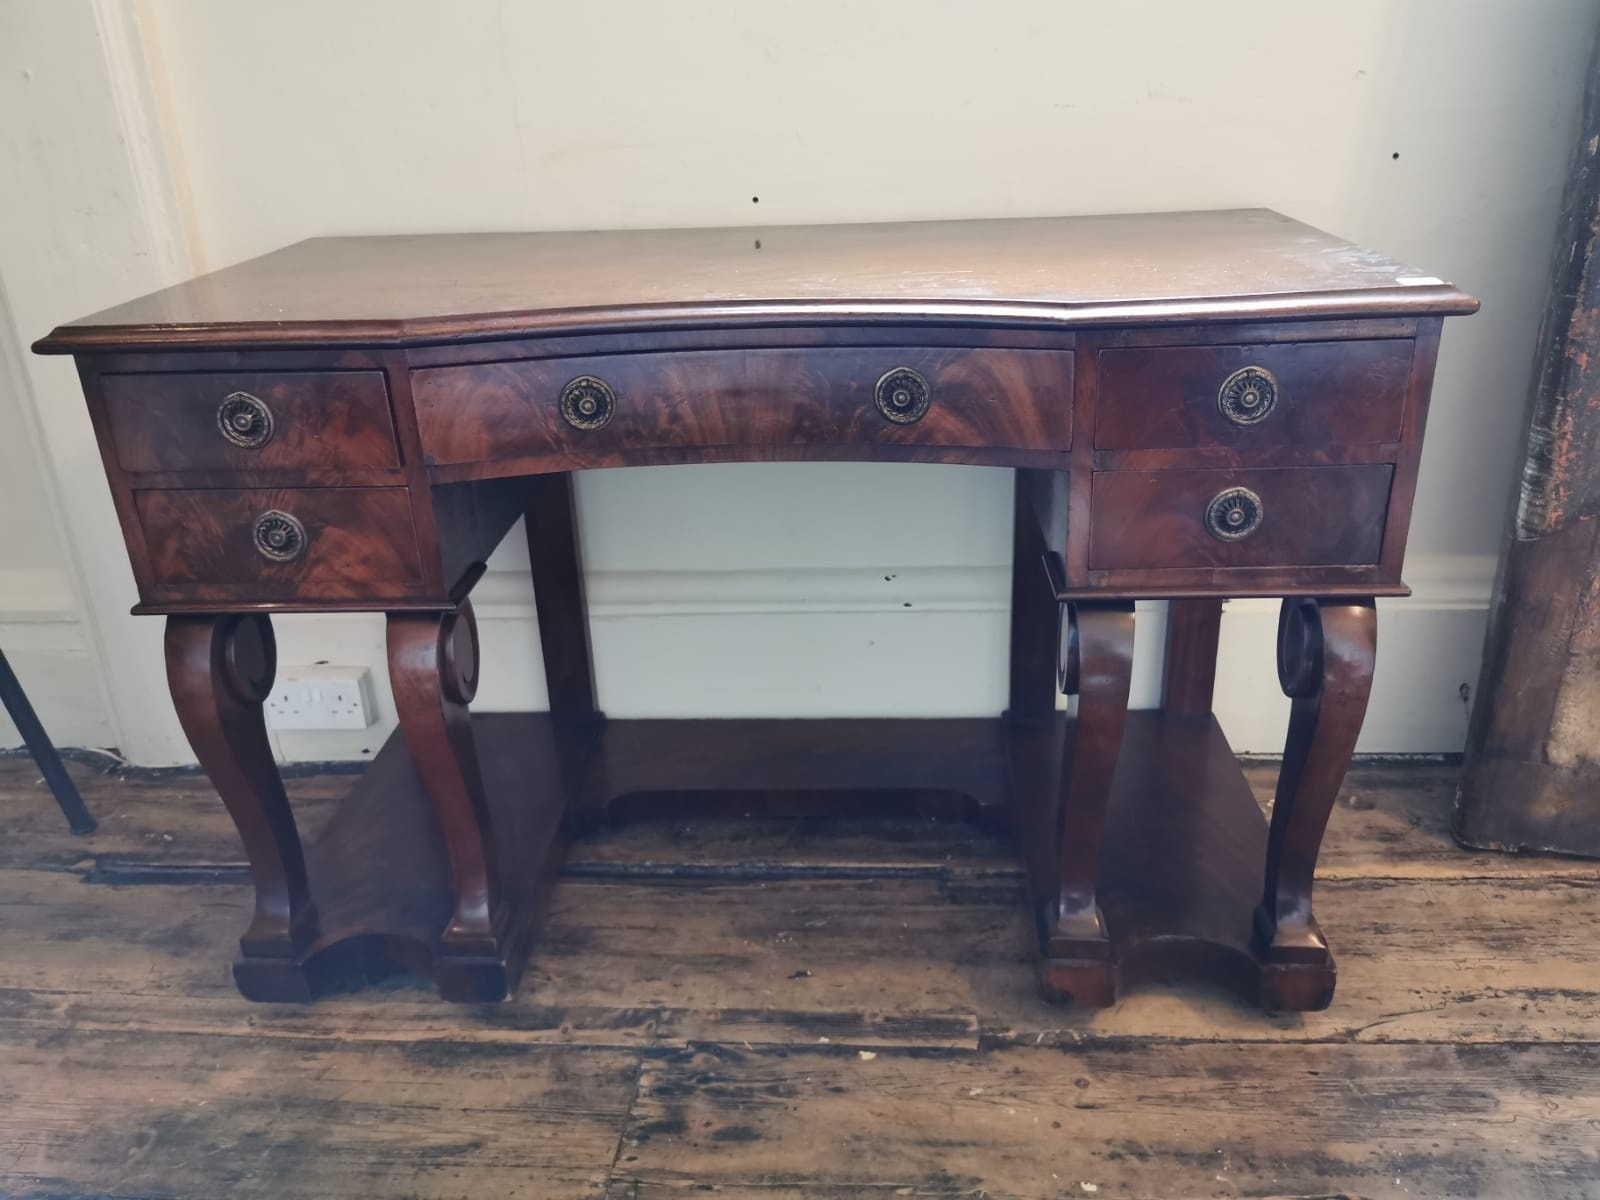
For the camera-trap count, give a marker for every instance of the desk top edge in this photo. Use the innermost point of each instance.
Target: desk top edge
(1069, 272)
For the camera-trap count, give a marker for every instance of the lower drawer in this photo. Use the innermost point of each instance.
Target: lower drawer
(1296, 516)
(299, 543)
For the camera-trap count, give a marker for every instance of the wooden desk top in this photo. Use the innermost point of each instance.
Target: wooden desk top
(1152, 268)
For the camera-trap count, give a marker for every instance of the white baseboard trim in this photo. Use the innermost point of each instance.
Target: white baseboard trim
(931, 641)
(1438, 583)
(907, 641)
(507, 595)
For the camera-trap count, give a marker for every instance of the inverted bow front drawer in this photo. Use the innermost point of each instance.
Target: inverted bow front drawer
(1282, 394)
(617, 408)
(250, 421)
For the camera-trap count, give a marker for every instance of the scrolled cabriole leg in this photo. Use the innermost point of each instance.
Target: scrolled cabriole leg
(1096, 665)
(220, 670)
(433, 669)
(1326, 653)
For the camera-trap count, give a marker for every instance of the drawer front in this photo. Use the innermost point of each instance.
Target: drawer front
(311, 420)
(920, 396)
(1300, 516)
(1292, 394)
(300, 543)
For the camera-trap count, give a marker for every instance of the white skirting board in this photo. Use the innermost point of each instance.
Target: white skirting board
(926, 641)
(856, 642)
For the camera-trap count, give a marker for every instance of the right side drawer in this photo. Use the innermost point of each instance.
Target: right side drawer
(1239, 396)
(251, 421)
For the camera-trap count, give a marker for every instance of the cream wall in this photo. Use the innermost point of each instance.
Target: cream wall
(41, 628)
(83, 222)
(27, 543)
(1435, 130)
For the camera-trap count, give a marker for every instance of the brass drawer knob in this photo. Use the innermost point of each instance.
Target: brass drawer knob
(279, 536)
(1248, 396)
(245, 420)
(588, 403)
(902, 396)
(1234, 514)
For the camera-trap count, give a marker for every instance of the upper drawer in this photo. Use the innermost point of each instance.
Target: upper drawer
(1283, 394)
(592, 410)
(307, 420)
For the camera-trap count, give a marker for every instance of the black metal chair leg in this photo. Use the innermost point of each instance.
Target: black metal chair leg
(44, 754)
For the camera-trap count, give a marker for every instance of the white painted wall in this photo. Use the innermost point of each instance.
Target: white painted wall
(27, 543)
(41, 628)
(207, 131)
(84, 222)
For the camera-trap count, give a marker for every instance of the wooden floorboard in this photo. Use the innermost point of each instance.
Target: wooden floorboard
(1136, 1118)
(143, 1113)
(788, 1009)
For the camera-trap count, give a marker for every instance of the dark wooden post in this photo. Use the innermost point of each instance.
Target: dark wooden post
(1532, 776)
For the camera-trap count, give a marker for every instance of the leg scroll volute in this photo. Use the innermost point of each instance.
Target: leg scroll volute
(433, 669)
(1326, 653)
(220, 670)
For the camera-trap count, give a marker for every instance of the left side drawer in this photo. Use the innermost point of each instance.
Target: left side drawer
(302, 420)
(281, 543)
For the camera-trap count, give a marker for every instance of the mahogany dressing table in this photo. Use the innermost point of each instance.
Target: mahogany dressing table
(1195, 405)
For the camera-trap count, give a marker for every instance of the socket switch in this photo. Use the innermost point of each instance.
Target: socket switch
(322, 696)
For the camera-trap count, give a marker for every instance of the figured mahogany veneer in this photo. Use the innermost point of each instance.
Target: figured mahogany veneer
(359, 542)
(1309, 516)
(689, 405)
(1196, 406)
(1345, 393)
(327, 420)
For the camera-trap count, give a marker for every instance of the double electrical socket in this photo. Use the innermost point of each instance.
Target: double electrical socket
(321, 696)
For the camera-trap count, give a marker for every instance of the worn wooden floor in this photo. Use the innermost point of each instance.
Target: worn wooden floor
(851, 1016)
